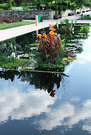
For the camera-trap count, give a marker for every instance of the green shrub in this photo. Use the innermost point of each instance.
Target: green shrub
(1, 9)
(52, 6)
(86, 17)
(25, 7)
(4, 6)
(26, 4)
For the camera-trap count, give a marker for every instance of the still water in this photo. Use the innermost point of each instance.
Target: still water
(48, 104)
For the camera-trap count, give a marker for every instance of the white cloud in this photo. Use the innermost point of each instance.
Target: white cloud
(80, 114)
(80, 55)
(19, 105)
(87, 126)
(88, 57)
(84, 57)
(81, 61)
(75, 99)
(56, 117)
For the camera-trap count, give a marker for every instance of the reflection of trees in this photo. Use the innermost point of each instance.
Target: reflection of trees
(45, 81)
(26, 40)
(73, 36)
(9, 74)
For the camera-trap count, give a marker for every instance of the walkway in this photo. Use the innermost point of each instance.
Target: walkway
(13, 32)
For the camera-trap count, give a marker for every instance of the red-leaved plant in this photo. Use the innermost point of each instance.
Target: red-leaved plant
(49, 45)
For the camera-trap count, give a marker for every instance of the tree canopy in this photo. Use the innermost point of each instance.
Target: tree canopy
(64, 4)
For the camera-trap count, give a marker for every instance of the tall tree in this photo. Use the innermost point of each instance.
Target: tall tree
(38, 2)
(10, 4)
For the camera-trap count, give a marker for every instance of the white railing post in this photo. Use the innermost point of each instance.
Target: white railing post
(37, 32)
(36, 20)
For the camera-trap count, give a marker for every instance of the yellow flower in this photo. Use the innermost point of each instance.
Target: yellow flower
(58, 35)
(69, 58)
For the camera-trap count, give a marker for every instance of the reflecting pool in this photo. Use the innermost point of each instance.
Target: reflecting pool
(48, 103)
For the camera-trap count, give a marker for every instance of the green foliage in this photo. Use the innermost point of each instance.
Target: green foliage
(51, 51)
(59, 64)
(62, 45)
(57, 26)
(4, 6)
(44, 61)
(87, 2)
(49, 46)
(65, 27)
(10, 4)
(25, 7)
(1, 9)
(52, 6)
(73, 6)
(6, 62)
(85, 28)
(86, 17)
(26, 4)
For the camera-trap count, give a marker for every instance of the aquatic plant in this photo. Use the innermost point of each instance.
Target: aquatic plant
(52, 53)
(6, 62)
(66, 27)
(85, 28)
(86, 17)
(49, 45)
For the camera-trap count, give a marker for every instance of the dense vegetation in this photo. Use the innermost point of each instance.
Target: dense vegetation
(86, 17)
(49, 4)
(54, 51)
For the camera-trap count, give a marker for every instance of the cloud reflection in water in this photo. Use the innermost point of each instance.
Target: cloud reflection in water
(19, 105)
(68, 115)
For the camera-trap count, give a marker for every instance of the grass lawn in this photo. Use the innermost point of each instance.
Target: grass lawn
(11, 25)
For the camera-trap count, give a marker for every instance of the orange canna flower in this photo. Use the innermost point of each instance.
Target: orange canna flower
(39, 36)
(52, 43)
(41, 88)
(44, 35)
(52, 94)
(52, 29)
(58, 35)
(52, 33)
(51, 25)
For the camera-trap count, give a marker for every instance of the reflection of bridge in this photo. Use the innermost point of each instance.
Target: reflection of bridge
(13, 32)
